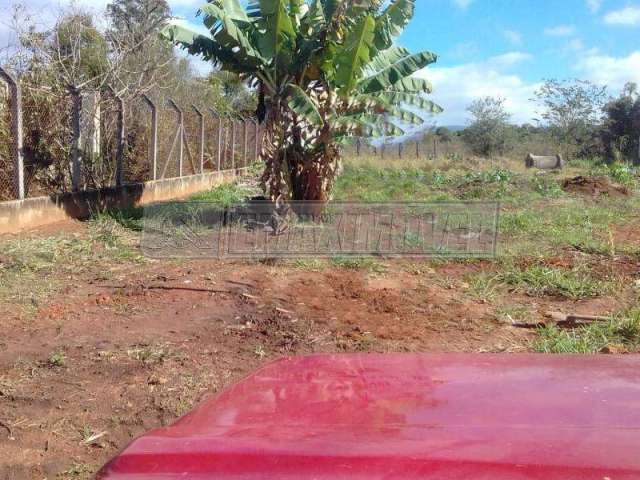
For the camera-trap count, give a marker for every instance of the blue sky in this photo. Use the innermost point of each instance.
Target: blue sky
(500, 48)
(508, 47)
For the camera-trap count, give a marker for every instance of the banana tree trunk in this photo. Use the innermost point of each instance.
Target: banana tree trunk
(295, 169)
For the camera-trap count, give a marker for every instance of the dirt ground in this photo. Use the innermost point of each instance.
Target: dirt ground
(117, 353)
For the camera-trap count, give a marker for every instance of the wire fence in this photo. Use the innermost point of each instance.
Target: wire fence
(429, 147)
(55, 141)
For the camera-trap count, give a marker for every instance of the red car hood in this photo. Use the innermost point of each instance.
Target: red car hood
(444, 417)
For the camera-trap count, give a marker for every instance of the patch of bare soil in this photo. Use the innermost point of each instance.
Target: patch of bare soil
(595, 187)
(111, 358)
(628, 235)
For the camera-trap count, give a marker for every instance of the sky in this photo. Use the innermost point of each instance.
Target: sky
(502, 48)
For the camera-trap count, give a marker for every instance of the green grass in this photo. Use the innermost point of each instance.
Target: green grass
(483, 286)
(358, 263)
(130, 218)
(513, 313)
(226, 195)
(373, 183)
(624, 174)
(540, 280)
(57, 359)
(310, 264)
(547, 227)
(33, 268)
(619, 334)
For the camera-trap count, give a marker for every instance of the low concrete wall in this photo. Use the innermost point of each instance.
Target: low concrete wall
(34, 212)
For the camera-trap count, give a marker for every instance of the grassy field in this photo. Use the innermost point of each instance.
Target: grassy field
(539, 222)
(87, 316)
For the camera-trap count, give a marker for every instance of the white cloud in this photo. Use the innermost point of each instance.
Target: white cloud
(629, 16)
(594, 5)
(513, 37)
(572, 46)
(560, 31)
(456, 87)
(613, 72)
(465, 50)
(509, 59)
(462, 4)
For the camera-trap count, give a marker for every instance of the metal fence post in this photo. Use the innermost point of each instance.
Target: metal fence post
(76, 126)
(201, 139)
(219, 151)
(435, 148)
(16, 132)
(245, 153)
(220, 127)
(400, 150)
(417, 149)
(358, 147)
(233, 144)
(154, 136)
(174, 105)
(257, 141)
(120, 138)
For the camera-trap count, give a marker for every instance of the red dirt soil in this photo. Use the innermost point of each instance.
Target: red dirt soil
(142, 348)
(595, 187)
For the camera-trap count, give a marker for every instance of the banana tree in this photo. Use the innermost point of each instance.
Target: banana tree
(325, 72)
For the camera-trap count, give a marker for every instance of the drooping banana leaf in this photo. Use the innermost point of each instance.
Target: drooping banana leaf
(198, 44)
(303, 105)
(398, 71)
(227, 33)
(277, 34)
(392, 21)
(354, 54)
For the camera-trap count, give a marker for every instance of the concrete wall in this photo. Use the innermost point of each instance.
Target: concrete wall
(34, 212)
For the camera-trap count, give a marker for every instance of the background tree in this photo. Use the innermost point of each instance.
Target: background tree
(325, 71)
(621, 129)
(444, 134)
(121, 49)
(146, 62)
(572, 110)
(489, 133)
(233, 96)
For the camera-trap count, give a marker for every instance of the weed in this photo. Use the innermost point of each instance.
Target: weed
(32, 269)
(621, 333)
(313, 265)
(225, 195)
(149, 354)
(57, 359)
(618, 172)
(483, 286)
(547, 186)
(359, 263)
(127, 217)
(85, 433)
(76, 470)
(540, 280)
(513, 313)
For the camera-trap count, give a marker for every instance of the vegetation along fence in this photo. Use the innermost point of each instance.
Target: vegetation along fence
(59, 141)
(425, 146)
